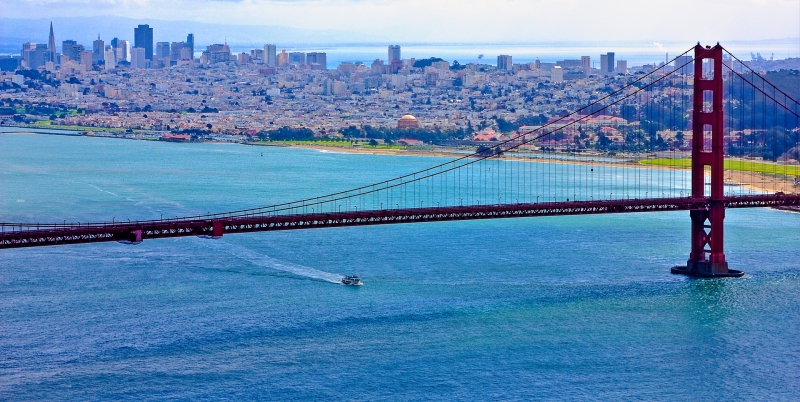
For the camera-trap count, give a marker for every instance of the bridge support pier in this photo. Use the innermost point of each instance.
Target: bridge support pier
(707, 121)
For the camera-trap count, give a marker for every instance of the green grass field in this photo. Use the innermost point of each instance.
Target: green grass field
(745, 166)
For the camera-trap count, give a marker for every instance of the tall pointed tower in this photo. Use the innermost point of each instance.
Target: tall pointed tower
(51, 44)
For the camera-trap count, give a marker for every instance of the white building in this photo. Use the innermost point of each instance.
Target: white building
(110, 59)
(138, 59)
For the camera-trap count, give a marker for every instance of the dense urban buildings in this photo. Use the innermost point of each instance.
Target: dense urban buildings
(233, 96)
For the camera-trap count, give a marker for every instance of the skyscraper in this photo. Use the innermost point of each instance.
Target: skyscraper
(190, 45)
(297, 58)
(611, 62)
(138, 58)
(143, 38)
(318, 58)
(394, 53)
(603, 64)
(504, 62)
(71, 49)
(51, 43)
(162, 50)
(586, 62)
(98, 48)
(270, 55)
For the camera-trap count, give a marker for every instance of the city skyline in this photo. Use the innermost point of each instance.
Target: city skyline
(416, 21)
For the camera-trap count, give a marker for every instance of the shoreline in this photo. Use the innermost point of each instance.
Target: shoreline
(750, 180)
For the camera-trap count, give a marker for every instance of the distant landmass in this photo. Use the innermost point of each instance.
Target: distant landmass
(15, 31)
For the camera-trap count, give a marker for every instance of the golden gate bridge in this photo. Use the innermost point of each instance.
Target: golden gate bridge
(708, 112)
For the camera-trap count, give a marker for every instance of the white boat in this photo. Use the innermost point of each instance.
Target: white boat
(351, 280)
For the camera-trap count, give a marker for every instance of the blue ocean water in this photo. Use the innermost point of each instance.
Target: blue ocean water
(516, 309)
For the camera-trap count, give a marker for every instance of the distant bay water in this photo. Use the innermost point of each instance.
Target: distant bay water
(635, 53)
(550, 308)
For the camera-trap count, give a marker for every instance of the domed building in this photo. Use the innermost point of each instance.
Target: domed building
(408, 121)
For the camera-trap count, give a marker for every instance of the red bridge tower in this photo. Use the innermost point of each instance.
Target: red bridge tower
(707, 258)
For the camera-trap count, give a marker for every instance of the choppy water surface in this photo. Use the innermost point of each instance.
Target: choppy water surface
(519, 309)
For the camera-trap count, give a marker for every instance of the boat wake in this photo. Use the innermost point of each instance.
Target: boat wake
(272, 263)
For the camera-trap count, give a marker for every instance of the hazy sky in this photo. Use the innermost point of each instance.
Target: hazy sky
(464, 20)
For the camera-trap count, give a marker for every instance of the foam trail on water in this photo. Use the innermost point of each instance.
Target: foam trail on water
(268, 262)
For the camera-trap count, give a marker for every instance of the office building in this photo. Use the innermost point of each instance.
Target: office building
(607, 63)
(35, 56)
(110, 59)
(162, 50)
(98, 47)
(297, 58)
(283, 59)
(622, 66)
(87, 57)
(123, 50)
(270, 55)
(138, 57)
(685, 64)
(586, 62)
(190, 46)
(504, 62)
(557, 74)
(317, 58)
(72, 50)
(143, 38)
(218, 53)
(394, 53)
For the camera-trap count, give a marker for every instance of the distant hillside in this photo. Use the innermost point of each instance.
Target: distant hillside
(13, 32)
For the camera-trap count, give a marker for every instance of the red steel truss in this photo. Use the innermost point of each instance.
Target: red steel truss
(136, 232)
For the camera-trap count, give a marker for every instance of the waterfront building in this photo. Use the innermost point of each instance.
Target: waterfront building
(143, 38)
(586, 62)
(504, 62)
(603, 64)
(394, 53)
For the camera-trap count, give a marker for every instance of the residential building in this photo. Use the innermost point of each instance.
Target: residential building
(394, 53)
(270, 56)
(504, 62)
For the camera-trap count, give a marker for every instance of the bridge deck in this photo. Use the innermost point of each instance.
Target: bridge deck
(138, 231)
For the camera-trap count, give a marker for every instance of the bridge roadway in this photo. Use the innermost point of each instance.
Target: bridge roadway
(134, 232)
